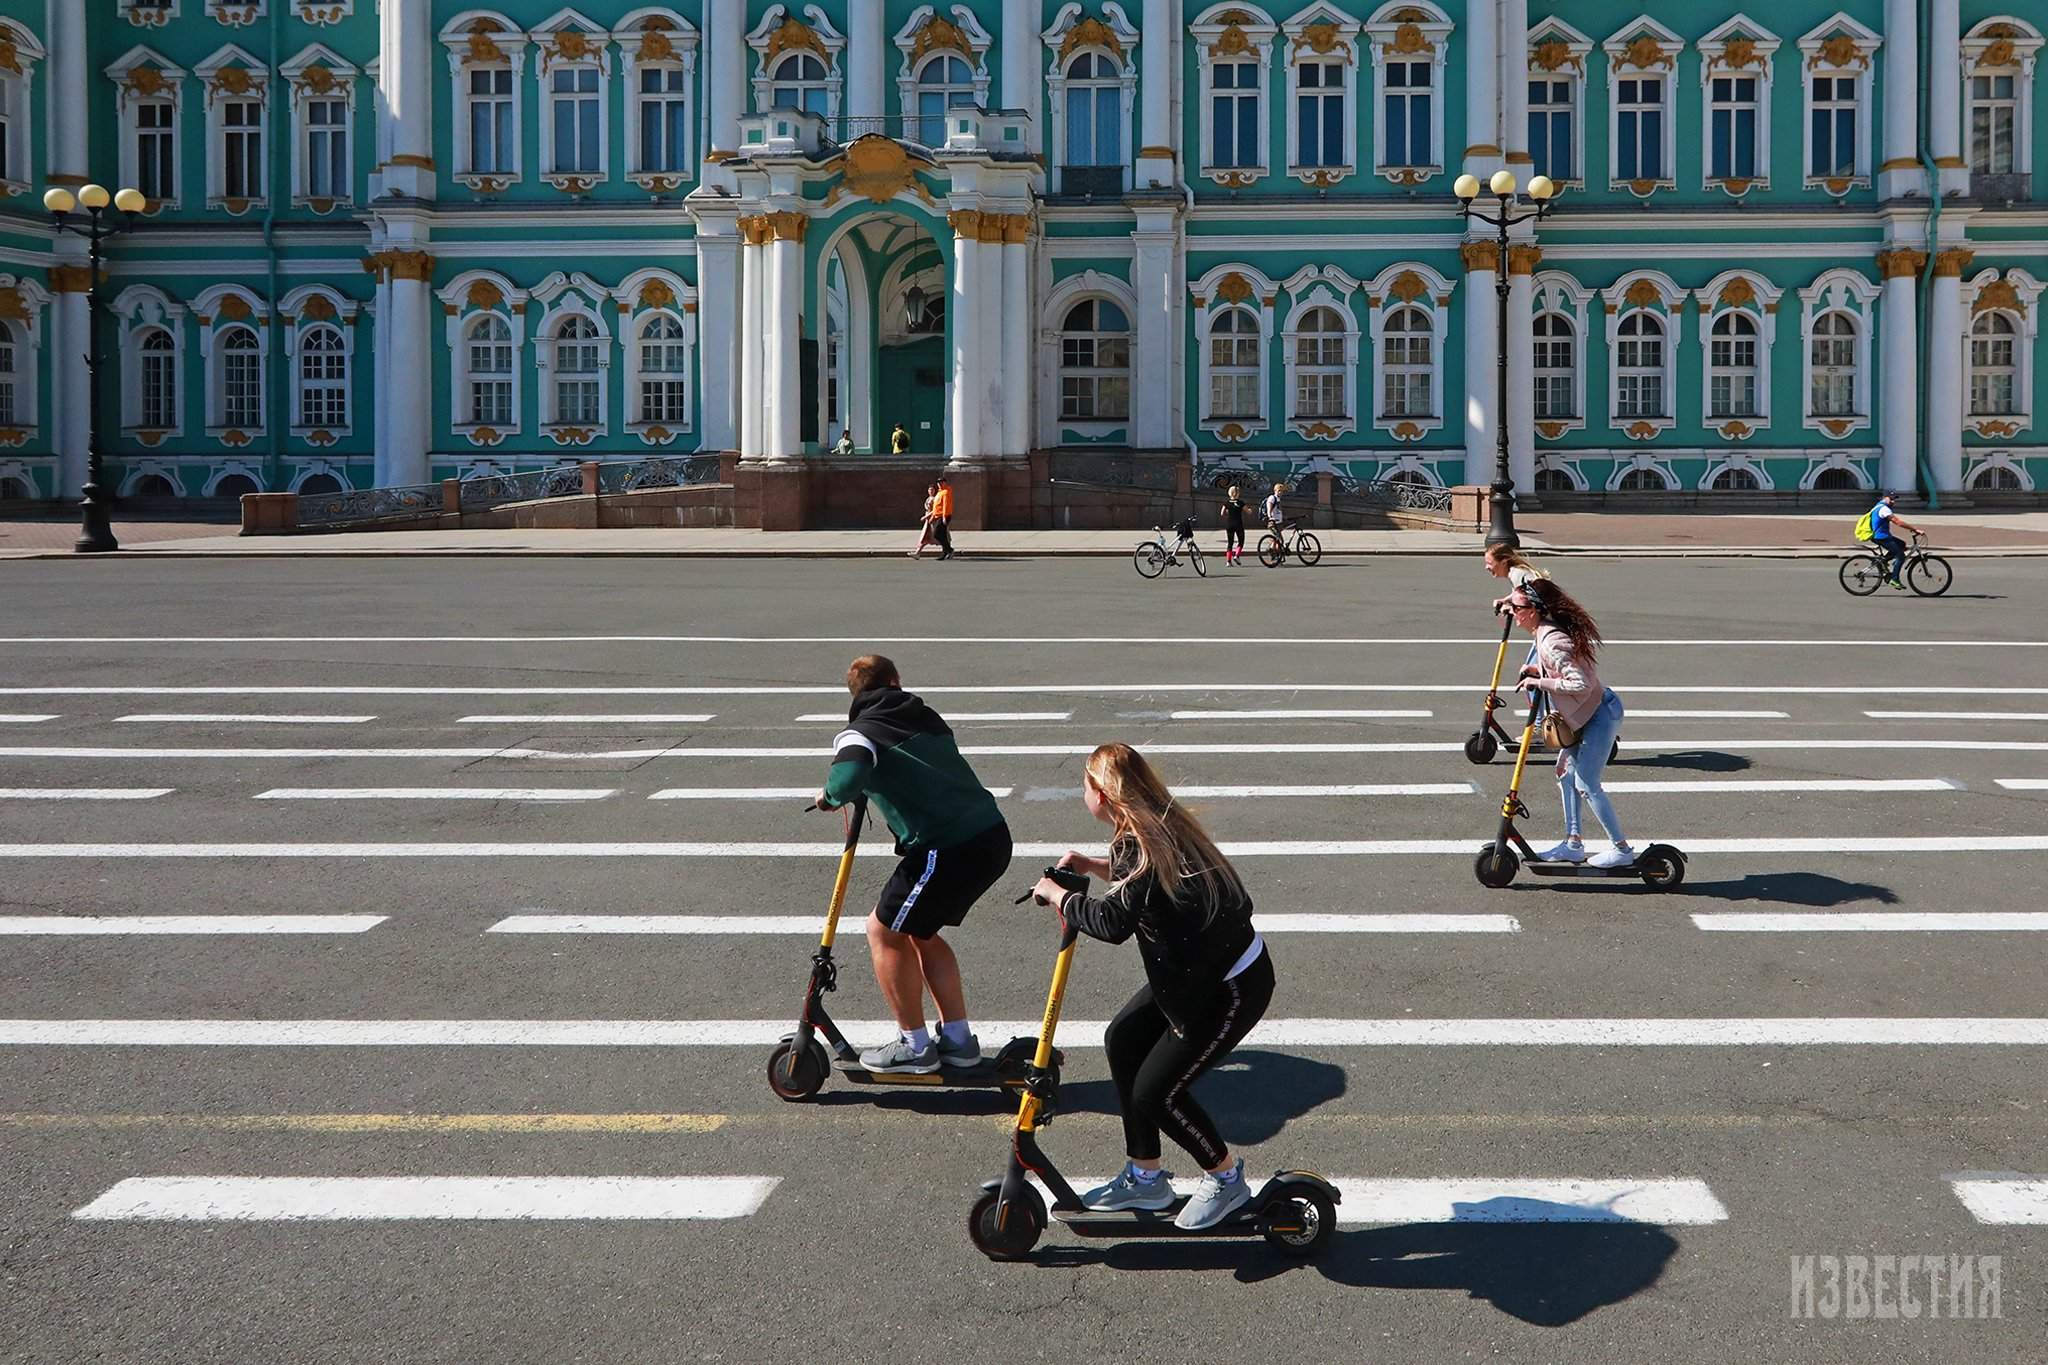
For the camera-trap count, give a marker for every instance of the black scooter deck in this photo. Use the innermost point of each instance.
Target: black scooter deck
(982, 1076)
(1138, 1223)
(1583, 870)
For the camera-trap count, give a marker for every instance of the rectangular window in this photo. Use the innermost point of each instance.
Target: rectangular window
(242, 389)
(574, 94)
(1554, 368)
(1319, 114)
(155, 140)
(1833, 111)
(1234, 115)
(1994, 114)
(1552, 108)
(1639, 128)
(327, 149)
(323, 393)
(490, 122)
(242, 152)
(1734, 118)
(159, 388)
(1407, 114)
(664, 119)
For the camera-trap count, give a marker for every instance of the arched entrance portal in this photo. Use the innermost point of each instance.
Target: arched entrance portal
(884, 282)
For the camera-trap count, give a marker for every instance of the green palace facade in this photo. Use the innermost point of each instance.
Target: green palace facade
(398, 241)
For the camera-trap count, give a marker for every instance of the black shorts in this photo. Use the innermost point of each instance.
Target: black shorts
(933, 889)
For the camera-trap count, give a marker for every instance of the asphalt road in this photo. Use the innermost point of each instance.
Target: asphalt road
(1731, 1094)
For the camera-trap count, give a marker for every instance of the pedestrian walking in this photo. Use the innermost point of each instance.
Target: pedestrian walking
(1233, 526)
(924, 524)
(899, 441)
(942, 517)
(844, 445)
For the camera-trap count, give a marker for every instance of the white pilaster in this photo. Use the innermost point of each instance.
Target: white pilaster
(1022, 83)
(1152, 331)
(1481, 36)
(1945, 98)
(1898, 378)
(410, 422)
(753, 375)
(718, 329)
(996, 397)
(382, 347)
(786, 299)
(1899, 171)
(1514, 60)
(405, 100)
(1482, 359)
(726, 38)
(1017, 363)
(1945, 370)
(69, 393)
(1521, 373)
(67, 87)
(1158, 49)
(963, 424)
(867, 41)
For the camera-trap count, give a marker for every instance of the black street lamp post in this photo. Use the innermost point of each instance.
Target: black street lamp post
(96, 534)
(1511, 212)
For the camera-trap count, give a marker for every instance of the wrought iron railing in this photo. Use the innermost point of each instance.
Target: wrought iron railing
(1405, 494)
(369, 504)
(495, 490)
(674, 471)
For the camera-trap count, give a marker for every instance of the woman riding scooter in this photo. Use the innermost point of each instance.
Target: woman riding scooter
(1562, 675)
(1208, 977)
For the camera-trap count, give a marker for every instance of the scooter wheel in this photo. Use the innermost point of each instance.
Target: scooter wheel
(1300, 1224)
(1496, 865)
(797, 1073)
(1481, 746)
(1010, 1234)
(1661, 868)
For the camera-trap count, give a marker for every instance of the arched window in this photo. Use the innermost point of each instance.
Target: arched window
(1996, 478)
(7, 374)
(234, 486)
(1993, 369)
(1555, 368)
(1639, 367)
(1836, 479)
(240, 399)
(1834, 365)
(1319, 365)
(1735, 479)
(664, 372)
(1644, 481)
(314, 485)
(1234, 364)
(575, 372)
(1408, 360)
(1410, 477)
(1550, 480)
(323, 379)
(800, 83)
(1732, 379)
(490, 371)
(1094, 112)
(159, 379)
(944, 83)
(1095, 363)
(154, 486)
(15, 490)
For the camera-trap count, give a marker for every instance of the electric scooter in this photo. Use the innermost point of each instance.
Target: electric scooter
(1659, 865)
(1295, 1211)
(798, 1066)
(1482, 744)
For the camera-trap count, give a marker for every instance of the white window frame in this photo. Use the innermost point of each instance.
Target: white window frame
(1221, 289)
(1307, 289)
(340, 80)
(220, 418)
(1646, 461)
(164, 86)
(481, 40)
(1557, 51)
(1115, 41)
(32, 299)
(18, 107)
(1737, 461)
(321, 12)
(1052, 316)
(1394, 33)
(303, 316)
(2017, 295)
(1849, 292)
(563, 296)
(300, 345)
(2003, 460)
(1654, 292)
(570, 43)
(1723, 55)
(662, 40)
(917, 49)
(1338, 33)
(2004, 46)
(236, 13)
(1643, 48)
(1217, 42)
(1748, 292)
(1409, 284)
(641, 297)
(1096, 372)
(1839, 49)
(462, 299)
(217, 310)
(149, 16)
(1555, 291)
(779, 35)
(215, 78)
(140, 309)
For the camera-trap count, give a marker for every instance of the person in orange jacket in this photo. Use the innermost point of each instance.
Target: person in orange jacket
(942, 518)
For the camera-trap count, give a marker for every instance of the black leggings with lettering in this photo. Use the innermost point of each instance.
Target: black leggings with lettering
(1153, 1066)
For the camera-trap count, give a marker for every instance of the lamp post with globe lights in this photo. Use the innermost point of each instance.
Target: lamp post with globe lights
(1510, 211)
(96, 534)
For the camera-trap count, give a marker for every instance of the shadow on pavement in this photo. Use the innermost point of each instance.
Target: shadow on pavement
(1792, 888)
(1696, 760)
(1253, 1095)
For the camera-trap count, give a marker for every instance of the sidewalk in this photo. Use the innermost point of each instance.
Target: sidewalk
(1789, 534)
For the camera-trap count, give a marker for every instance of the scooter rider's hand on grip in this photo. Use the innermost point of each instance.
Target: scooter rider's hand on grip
(1062, 879)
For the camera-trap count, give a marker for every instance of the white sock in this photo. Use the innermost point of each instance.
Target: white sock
(919, 1038)
(1143, 1176)
(1231, 1176)
(956, 1031)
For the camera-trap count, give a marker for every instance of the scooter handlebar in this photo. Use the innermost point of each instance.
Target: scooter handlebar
(1066, 877)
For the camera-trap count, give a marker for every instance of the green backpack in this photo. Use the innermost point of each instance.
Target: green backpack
(1863, 531)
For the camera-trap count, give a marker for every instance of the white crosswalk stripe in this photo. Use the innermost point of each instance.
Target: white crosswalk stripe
(293, 1199)
(811, 924)
(436, 794)
(188, 924)
(1875, 922)
(194, 718)
(17, 718)
(839, 717)
(591, 718)
(83, 793)
(2003, 1199)
(1377, 1201)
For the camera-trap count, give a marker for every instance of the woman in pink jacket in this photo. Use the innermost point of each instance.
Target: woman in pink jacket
(1566, 642)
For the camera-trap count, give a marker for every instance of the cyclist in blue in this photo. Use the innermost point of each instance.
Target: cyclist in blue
(1882, 520)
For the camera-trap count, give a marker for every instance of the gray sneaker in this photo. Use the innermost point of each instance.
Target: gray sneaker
(958, 1054)
(897, 1057)
(1214, 1200)
(1128, 1192)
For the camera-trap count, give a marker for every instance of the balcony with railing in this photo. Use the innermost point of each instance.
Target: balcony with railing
(962, 131)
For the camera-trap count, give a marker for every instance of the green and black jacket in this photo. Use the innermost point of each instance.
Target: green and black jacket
(897, 752)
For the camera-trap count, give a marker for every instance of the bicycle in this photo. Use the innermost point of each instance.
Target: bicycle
(1927, 574)
(1274, 547)
(1152, 556)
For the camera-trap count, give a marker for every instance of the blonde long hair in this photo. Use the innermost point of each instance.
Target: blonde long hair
(1510, 557)
(1171, 843)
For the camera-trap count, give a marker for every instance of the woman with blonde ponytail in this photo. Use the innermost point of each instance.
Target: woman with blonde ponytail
(1208, 979)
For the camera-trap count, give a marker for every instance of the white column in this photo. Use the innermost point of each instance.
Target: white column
(866, 43)
(69, 393)
(1158, 43)
(1017, 363)
(1945, 97)
(1023, 81)
(1481, 36)
(410, 429)
(68, 87)
(782, 338)
(1481, 319)
(1898, 379)
(405, 100)
(382, 348)
(1152, 338)
(1899, 162)
(1522, 367)
(718, 329)
(1514, 91)
(726, 61)
(995, 395)
(963, 423)
(1945, 369)
(753, 314)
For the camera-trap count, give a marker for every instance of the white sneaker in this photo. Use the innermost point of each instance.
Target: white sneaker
(1620, 856)
(1566, 852)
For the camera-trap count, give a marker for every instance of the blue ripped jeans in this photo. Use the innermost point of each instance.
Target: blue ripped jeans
(1579, 769)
